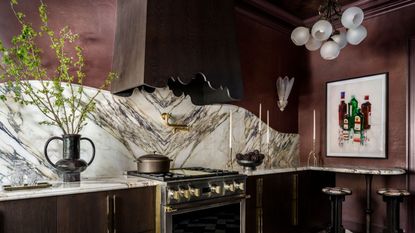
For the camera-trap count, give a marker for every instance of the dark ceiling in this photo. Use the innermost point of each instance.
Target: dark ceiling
(303, 9)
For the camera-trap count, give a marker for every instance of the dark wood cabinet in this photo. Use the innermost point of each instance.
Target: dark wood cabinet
(28, 216)
(119, 211)
(273, 204)
(162, 40)
(134, 210)
(83, 213)
(288, 202)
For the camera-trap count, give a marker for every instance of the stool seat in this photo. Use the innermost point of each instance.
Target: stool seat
(336, 191)
(393, 192)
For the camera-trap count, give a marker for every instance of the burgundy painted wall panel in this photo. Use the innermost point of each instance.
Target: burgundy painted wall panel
(411, 134)
(266, 54)
(384, 50)
(94, 21)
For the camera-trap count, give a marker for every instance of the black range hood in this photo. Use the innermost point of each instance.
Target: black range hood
(189, 46)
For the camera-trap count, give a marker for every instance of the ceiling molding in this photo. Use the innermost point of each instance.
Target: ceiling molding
(262, 19)
(275, 11)
(371, 8)
(289, 21)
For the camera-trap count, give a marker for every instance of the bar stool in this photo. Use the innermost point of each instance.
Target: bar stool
(336, 197)
(393, 198)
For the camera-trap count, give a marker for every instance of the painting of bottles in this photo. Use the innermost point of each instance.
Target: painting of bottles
(356, 117)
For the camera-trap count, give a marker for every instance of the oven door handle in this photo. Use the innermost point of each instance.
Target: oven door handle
(181, 208)
(169, 209)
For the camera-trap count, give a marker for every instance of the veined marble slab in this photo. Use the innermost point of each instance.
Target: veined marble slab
(123, 182)
(86, 186)
(348, 170)
(361, 170)
(125, 128)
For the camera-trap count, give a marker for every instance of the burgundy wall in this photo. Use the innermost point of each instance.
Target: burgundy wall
(267, 53)
(94, 21)
(411, 134)
(384, 50)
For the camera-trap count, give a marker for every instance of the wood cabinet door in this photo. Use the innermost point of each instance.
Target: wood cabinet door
(134, 210)
(83, 213)
(28, 216)
(278, 203)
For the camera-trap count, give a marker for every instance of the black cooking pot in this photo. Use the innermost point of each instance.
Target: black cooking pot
(153, 163)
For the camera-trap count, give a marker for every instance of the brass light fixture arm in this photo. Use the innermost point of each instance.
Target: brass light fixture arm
(176, 127)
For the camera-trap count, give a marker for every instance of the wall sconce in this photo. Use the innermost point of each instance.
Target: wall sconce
(284, 87)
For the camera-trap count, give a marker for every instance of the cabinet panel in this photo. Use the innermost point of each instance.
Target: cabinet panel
(28, 216)
(83, 213)
(288, 202)
(279, 210)
(134, 210)
(314, 204)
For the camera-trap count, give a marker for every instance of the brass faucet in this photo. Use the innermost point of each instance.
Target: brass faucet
(176, 127)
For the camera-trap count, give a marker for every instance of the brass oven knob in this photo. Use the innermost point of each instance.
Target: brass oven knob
(194, 192)
(230, 187)
(185, 193)
(240, 186)
(174, 194)
(216, 189)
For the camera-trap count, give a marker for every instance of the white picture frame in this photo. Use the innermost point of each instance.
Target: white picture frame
(363, 133)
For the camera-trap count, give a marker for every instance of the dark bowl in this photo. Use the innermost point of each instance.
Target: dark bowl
(249, 164)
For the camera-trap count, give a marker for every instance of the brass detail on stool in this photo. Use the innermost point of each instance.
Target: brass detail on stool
(167, 116)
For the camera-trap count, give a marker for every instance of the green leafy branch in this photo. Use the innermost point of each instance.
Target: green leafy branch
(20, 63)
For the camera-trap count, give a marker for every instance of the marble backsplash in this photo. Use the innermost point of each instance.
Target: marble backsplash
(124, 128)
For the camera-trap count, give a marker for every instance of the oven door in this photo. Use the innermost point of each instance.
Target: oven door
(222, 215)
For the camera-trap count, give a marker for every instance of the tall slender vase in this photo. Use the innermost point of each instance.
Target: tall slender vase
(71, 165)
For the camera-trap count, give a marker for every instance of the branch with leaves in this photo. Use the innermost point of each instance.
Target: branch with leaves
(60, 95)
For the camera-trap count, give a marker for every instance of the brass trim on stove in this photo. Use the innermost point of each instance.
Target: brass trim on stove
(158, 209)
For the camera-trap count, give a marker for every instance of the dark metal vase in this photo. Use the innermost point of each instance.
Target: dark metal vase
(71, 165)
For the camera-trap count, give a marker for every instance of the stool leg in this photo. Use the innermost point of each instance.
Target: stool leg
(392, 214)
(336, 214)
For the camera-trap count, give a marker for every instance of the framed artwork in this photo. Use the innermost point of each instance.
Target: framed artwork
(356, 117)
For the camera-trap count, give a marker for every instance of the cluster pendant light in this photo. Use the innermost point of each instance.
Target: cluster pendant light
(324, 37)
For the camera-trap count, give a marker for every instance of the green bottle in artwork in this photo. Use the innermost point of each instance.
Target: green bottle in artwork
(352, 111)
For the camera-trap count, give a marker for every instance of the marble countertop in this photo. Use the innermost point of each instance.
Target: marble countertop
(85, 186)
(348, 170)
(125, 182)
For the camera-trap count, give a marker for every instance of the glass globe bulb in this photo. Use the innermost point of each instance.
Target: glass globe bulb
(356, 35)
(352, 17)
(322, 30)
(340, 39)
(313, 44)
(329, 50)
(300, 36)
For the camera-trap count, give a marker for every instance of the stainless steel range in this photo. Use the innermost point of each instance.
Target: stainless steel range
(200, 200)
